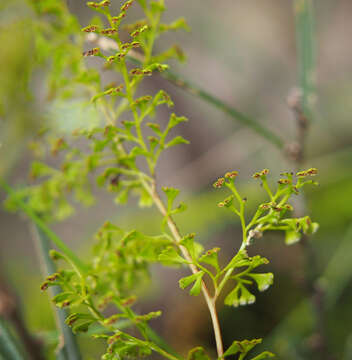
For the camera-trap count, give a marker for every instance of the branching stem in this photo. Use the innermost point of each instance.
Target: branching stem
(210, 301)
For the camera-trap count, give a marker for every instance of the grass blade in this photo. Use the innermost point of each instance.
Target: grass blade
(9, 347)
(234, 113)
(44, 228)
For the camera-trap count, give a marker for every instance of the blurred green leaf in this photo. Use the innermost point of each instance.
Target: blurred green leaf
(242, 347)
(176, 141)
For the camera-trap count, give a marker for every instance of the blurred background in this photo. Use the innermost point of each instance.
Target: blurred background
(251, 56)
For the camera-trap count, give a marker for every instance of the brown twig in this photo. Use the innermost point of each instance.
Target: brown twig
(296, 153)
(296, 150)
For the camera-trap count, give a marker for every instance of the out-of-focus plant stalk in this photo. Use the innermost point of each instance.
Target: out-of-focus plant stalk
(234, 113)
(305, 40)
(68, 350)
(9, 348)
(301, 106)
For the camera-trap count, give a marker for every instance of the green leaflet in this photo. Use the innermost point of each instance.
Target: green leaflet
(194, 278)
(171, 256)
(192, 246)
(197, 353)
(210, 257)
(240, 295)
(291, 237)
(175, 120)
(263, 280)
(171, 194)
(243, 347)
(176, 141)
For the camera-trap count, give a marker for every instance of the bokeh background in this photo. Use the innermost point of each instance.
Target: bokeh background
(244, 53)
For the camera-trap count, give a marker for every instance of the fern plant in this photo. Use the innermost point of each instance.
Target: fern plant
(123, 153)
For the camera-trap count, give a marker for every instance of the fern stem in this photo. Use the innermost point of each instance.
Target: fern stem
(210, 301)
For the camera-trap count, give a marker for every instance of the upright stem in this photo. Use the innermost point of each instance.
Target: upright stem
(210, 301)
(304, 20)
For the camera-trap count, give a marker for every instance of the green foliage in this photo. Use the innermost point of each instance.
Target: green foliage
(121, 261)
(194, 278)
(122, 158)
(245, 346)
(197, 353)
